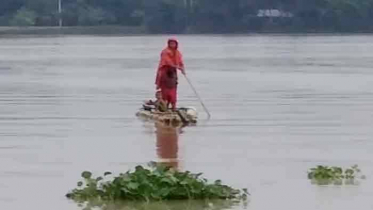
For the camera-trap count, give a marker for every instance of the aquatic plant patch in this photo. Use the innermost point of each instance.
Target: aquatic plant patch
(164, 205)
(156, 182)
(325, 175)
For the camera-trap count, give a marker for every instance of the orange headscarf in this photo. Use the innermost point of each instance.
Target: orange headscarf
(169, 57)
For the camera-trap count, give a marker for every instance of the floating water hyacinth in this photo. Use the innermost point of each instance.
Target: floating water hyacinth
(157, 182)
(325, 175)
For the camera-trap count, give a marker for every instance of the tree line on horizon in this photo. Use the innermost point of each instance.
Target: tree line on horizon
(204, 16)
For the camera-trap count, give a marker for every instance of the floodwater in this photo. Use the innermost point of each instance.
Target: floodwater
(280, 105)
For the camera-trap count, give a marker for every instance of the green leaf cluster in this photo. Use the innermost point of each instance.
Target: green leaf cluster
(325, 175)
(154, 183)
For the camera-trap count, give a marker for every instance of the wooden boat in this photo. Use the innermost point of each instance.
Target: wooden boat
(180, 117)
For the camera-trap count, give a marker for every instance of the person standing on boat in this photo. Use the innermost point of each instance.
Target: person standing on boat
(171, 60)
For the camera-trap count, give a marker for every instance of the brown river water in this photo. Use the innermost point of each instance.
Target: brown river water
(280, 105)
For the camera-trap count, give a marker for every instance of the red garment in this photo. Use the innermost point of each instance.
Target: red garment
(168, 86)
(169, 58)
(169, 78)
(170, 95)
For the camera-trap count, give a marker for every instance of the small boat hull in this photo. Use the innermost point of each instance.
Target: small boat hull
(181, 117)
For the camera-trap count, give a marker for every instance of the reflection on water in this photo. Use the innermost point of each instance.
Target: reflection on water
(167, 145)
(167, 205)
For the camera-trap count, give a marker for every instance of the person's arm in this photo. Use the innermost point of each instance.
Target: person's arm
(158, 80)
(165, 60)
(181, 63)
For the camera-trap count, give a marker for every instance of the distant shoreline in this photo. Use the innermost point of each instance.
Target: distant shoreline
(142, 30)
(75, 30)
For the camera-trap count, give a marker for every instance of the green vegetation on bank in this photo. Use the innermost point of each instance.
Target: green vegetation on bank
(155, 183)
(202, 16)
